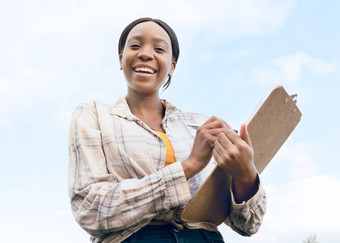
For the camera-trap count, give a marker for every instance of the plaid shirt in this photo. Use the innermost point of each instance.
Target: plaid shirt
(117, 179)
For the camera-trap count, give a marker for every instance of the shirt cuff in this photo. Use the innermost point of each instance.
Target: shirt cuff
(176, 185)
(250, 202)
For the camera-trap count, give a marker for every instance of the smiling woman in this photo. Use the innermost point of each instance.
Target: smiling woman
(135, 164)
(174, 41)
(146, 58)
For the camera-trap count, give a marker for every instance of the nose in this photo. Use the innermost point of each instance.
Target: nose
(145, 54)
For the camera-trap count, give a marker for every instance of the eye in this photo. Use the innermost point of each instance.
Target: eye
(134, 46)
(160, 49)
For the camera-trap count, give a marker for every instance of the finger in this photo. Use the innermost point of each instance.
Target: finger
(228, 126)
(216, 131)
(221, 149)
(210, 134)
(213, 118)
(225, 141)
(229, 153)
(209, 120)
(220, 160)
(211, 140)
(216, 156)
(233, 137)
(244, 134)
(214, 122)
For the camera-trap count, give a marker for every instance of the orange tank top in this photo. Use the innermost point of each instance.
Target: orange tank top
(170, 154)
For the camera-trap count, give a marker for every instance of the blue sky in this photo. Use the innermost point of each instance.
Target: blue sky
(55, 54)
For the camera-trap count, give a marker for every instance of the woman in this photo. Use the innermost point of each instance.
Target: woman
(135, 164)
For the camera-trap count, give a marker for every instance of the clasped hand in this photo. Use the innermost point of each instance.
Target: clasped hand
(232, 152)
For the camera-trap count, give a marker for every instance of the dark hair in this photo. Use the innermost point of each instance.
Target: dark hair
(167, 28)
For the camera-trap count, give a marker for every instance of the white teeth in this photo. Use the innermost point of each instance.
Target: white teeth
(144, 69)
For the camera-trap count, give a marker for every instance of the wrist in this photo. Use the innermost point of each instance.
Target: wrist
(191, 168)
(245, 189)
(248, 179)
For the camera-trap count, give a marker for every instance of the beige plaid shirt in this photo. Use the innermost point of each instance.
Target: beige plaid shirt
(117, 179)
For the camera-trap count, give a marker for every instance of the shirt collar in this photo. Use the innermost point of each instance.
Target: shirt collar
(121, 108)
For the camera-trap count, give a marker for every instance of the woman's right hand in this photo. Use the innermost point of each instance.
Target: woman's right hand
(201, 152)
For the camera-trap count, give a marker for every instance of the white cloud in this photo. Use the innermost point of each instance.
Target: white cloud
(300, 60)
(297, 157)
(241, 54)
(289, 69)
(296, 210)
(27, 84)
(302, 206)
(233, 16)
(300, 199)
(60, 226)
(247, 17)
(50, 45)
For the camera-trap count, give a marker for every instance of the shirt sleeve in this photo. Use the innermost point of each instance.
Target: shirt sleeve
(246, 218)
(100, 203)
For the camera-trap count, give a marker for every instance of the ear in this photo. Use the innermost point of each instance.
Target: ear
(120, 61)
(172, 69)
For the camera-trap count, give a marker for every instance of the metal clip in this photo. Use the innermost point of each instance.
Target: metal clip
(294, 98)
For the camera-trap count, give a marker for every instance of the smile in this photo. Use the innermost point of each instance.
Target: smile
(144, 70)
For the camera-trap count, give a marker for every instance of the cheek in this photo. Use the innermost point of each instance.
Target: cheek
(167, 62)
(124, 60)
(125, 65)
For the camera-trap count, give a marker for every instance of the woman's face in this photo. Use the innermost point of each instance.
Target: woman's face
(147, 58)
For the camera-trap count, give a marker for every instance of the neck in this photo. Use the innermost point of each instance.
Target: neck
(145, 105)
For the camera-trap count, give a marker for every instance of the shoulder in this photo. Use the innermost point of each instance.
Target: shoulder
(93, 106)
(195, 118)
(192, 118)
(88, 111)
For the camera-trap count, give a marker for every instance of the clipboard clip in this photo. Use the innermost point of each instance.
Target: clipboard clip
(293, 97)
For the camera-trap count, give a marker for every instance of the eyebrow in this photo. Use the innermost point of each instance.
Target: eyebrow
(139, 37)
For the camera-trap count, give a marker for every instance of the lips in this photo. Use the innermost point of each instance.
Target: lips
(144, 69)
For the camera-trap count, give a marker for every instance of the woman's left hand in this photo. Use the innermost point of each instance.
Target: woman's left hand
(235, 155)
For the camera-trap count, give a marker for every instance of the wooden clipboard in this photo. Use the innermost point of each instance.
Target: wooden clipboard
(268, 130)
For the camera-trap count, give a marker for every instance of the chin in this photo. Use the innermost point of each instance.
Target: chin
(145, 87)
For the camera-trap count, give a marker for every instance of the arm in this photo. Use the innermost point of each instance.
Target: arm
(235, 154)
(100, 203)
(246, 217)
(202, 149)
